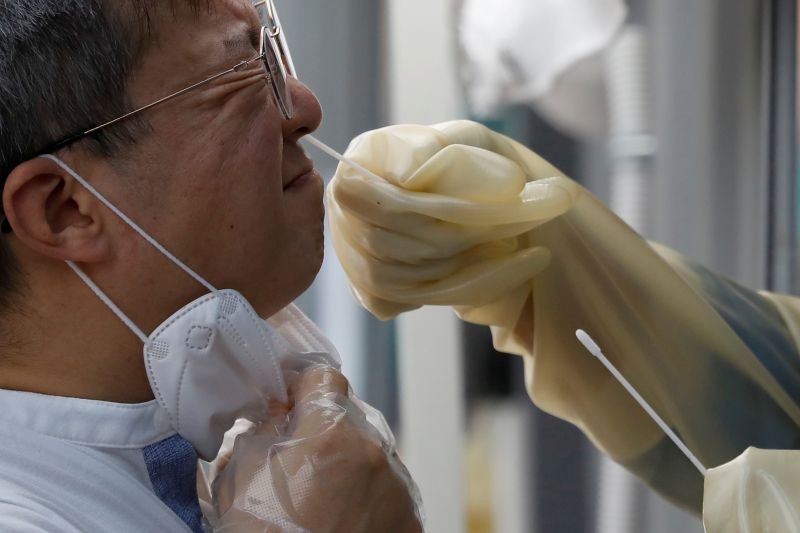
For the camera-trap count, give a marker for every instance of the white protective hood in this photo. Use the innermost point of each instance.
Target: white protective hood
(546, 53)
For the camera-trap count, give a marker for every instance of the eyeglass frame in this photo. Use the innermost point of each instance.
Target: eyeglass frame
(273, 39)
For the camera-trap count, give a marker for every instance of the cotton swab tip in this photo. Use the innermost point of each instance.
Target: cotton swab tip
(588, 342)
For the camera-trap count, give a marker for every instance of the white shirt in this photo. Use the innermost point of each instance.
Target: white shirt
(70, 465)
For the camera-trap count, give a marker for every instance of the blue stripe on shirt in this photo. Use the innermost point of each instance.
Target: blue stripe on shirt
(172, 466)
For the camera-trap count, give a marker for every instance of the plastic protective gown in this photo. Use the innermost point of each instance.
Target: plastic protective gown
(459, 215)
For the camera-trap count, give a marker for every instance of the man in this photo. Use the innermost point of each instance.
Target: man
(216, 174)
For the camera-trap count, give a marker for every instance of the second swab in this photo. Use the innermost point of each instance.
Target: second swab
(594, 349)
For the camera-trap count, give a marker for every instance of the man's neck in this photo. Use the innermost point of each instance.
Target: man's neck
(85, 352)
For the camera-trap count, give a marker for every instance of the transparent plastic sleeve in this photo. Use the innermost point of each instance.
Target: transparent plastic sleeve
(326, 463)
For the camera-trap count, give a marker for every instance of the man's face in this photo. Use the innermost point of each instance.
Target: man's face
(221, 181)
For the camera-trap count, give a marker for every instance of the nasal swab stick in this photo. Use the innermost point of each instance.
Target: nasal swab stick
(594, 349)
(346, 160)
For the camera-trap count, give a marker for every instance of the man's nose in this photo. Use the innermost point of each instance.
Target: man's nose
(307, 112)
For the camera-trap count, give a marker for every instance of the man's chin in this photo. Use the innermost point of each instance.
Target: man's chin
(272, 301)
(315, 269)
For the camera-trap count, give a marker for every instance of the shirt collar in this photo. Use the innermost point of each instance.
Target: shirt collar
(87, 422)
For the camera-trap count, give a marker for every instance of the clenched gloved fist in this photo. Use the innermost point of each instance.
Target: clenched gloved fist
(449, 222)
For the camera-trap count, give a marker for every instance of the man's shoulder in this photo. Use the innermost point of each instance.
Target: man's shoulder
(24, 519)
(25, 483)
(49, 484)
(31, 465)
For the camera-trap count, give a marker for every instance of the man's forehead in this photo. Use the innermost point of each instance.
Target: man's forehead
(232, 25)
(242, 26)
(242, 10)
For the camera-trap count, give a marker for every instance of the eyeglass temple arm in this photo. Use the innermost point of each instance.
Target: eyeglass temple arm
(235, 68)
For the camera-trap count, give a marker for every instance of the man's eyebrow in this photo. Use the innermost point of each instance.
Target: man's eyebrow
(244, 42)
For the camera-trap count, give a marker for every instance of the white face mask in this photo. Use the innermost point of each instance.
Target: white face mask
(215, 360)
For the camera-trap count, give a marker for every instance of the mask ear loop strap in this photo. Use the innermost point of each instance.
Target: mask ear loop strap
(111, 305)
(133, 226)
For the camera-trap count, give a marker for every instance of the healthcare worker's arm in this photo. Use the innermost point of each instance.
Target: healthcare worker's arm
(459, 215)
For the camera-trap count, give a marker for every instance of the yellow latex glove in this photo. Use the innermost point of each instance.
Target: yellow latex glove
(456, 234)
(758, 492)
(466, 217)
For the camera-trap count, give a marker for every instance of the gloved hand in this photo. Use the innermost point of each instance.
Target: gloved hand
(462, 216)
(758, 492)
(450, 223)
(327, 463)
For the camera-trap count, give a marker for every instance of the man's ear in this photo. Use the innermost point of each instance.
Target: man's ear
(53, 214)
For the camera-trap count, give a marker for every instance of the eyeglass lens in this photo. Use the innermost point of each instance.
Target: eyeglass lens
(277, 57)
(278, 76)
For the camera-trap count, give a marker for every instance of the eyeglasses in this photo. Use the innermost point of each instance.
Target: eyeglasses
(273, 51)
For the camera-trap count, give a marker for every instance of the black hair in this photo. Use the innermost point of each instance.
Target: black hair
(64, 68)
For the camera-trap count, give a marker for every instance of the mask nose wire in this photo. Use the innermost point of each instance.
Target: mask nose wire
(125, 218)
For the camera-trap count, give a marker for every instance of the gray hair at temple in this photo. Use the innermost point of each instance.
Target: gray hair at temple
(64, 68)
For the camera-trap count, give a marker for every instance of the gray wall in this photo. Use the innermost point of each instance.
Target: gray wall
(712, 191)
(338, 50)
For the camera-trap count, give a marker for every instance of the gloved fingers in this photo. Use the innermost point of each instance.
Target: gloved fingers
(384, 245)
(399, 147)
(274, 423)
(334, 476)
(296, 367)
(400, 276)
(321, 401)
(376, 419)
(478, 284)
(382, 202)
(444, 277)
(335, 469)
(319, 380)
(474, 134)
(428, 239)
(380, 308)
(273, 426)
(379, 241)
(336, 482)
(219, 463)
(370, 208)
(468, 173)
(402, 145)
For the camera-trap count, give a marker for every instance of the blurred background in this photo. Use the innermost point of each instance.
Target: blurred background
(680, 114)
